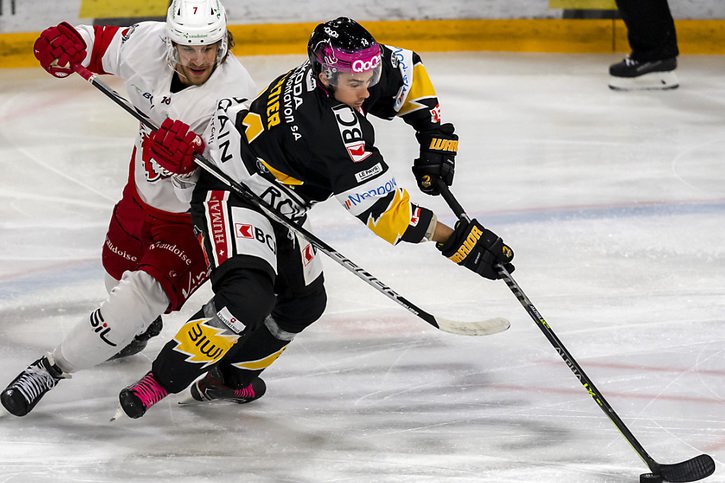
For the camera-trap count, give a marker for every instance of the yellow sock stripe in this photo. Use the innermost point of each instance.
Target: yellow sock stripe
(504, 35)
(260, 363)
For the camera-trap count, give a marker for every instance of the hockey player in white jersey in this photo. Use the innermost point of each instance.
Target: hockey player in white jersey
(152, 259)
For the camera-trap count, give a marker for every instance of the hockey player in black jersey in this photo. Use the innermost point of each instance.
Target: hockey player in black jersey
(305, 139)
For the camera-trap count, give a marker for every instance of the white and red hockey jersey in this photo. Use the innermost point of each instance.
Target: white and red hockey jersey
(137, 54)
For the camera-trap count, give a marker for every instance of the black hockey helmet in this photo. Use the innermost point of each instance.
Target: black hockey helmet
(343, 45)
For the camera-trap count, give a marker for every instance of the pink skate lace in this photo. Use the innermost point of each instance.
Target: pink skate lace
(247, 392)
(149, 391)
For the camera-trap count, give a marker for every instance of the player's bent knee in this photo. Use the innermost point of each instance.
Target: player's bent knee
(244, 297)
(278, 332)
(294, 314)
(134, 303)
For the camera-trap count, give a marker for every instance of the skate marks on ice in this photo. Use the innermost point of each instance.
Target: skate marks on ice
(614, 207)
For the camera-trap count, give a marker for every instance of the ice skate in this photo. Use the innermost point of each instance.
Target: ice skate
(212, 388)
(631, 74)
(26, 390)
(140, 341)
(137, 398)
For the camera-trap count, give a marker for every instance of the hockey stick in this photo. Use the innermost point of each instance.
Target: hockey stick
(693, 469)
(475, 328)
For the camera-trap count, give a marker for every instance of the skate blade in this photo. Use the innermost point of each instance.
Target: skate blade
(190, 401)
(651, 81)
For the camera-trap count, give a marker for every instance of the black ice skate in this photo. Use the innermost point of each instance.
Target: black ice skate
(21, 395)
(140, 341)
(631, 74)
(137, 398)
(212, 387)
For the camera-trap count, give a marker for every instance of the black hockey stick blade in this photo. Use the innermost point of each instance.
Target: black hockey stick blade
(693, 469)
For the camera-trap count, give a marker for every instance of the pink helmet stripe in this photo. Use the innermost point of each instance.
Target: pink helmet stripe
(359, 61)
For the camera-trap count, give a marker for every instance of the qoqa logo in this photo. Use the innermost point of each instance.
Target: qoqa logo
(365, 65)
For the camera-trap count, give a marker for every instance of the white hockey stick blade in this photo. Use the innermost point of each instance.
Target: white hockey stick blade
(118, 414)
(483, 327)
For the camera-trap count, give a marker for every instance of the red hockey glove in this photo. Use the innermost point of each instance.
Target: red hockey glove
(58, 48)
(438, 150)
(173, 147)
(477, 249)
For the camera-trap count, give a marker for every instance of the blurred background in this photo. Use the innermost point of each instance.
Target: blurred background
(282, 27)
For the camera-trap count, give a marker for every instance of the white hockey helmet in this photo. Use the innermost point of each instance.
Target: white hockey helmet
(196, 22)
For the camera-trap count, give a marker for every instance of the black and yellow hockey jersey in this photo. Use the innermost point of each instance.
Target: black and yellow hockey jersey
(295, 145)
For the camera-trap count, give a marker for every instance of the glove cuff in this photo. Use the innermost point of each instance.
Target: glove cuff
(460, 251)
(462, 241)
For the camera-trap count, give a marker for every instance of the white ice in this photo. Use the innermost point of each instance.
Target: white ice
(613, 202)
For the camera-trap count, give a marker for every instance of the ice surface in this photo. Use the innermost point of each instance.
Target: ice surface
(614, 203)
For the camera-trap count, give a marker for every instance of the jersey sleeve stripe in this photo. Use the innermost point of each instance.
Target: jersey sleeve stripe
(103, 36)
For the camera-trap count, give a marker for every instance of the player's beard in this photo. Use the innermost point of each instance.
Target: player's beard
(194, 75)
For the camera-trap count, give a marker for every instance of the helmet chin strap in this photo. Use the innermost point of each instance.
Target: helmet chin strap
(182, 77)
